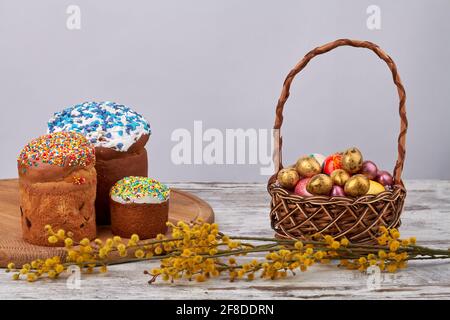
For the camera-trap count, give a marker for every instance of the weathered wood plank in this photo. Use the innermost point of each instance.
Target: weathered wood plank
(242, 209)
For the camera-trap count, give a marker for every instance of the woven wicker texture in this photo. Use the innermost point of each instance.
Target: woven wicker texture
(358, 219)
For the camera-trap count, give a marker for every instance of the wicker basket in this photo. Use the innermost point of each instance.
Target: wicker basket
(358, 219)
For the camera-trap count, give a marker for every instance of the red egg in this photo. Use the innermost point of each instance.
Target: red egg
(369, 169)
(337, 191)
(332, 163)
(300, 188)
(385, 178)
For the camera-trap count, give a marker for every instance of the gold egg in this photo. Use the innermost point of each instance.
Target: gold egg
(320, 184)
(357, 185)
(288, 178)
(308, 167)
(375, 188)
(352, 160)
(339, 177)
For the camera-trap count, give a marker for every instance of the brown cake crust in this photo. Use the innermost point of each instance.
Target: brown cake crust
(62, 197)
(147, 220)
(111, 166)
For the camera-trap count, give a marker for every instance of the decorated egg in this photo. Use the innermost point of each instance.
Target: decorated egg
(352, 160)
(307, 167)
(320, 184)
(332, 163)
(319, 157)
(385, 178)
(300, 188)
(375, 188)
(357, 185)
(369, 169)
(339, 177)
(288, 178)
(337, 191)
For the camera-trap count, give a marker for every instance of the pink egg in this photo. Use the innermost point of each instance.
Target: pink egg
(300, 188)
(369, 169)
(385, 178)
(337, 191)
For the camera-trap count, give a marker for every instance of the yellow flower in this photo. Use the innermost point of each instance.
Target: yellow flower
(200, 278)
(394, 233)
(85, 242)
(186, 253)
(335, 245)
(68, 242)
(344, 242)
(121, 247)
(139, 254)
(309, 251)
(61, 234)
(233, 244)
(59, 268)
(134, 238)
(391, 268)
(318, 255)
(382, 240)
(148, 255)
(371, 256)
(412, 240)
(250, 276)
(11, 266)
(16, 276)
(362, 260)
(31, 277)
(382, 254)
(405, 242)
(158, 250)
(394, 246)
(298, 245)
(212, 251)
(51, 274)
(328, 239)
(232, 261)
(103, 269)
(117, 239)
(52, 239)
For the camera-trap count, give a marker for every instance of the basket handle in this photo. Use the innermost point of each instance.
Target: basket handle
(277, 158)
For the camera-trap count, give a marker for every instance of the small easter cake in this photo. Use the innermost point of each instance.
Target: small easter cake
(57, 186)
(119, 135)
(139, 205)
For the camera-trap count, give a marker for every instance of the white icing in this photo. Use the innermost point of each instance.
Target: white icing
(105, 124)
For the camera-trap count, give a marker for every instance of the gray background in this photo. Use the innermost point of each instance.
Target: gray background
(223, 62)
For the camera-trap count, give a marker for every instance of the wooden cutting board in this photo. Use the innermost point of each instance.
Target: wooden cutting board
(183, 206)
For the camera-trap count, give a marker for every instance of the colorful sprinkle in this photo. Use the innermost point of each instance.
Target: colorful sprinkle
(105, 124)
(79, 180)
(59, 149)
(130, 188)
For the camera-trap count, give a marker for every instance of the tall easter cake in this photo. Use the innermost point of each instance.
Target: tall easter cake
(119, 135)
(57, 184)
(139, 205)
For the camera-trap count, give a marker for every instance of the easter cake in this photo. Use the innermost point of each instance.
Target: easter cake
(57, 185)
(139, 205)
(119, 135)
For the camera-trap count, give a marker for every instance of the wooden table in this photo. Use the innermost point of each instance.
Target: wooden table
(427, 216)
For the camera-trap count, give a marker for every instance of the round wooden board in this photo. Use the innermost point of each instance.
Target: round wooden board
(183, 206)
